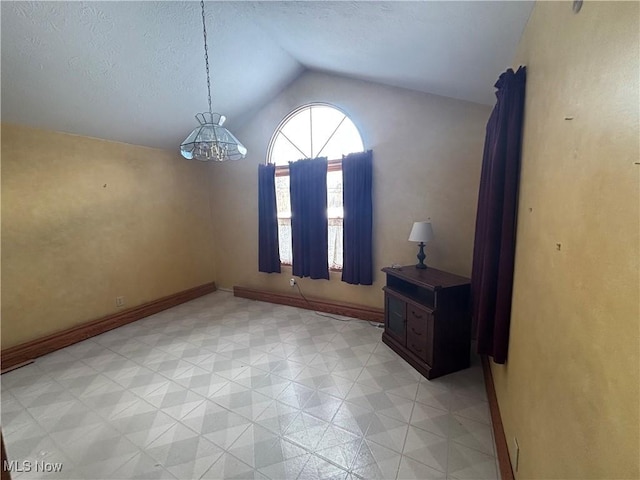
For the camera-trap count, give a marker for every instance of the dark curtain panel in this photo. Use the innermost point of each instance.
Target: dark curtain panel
(357, 179)
(495, 238)
(309, 225)
(268, 252)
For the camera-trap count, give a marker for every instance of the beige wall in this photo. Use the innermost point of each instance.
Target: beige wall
(427, 157)
(569, 391)
(86, 220)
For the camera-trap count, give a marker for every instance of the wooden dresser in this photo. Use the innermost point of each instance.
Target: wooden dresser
(428, 319)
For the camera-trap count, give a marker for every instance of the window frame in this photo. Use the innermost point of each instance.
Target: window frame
(333, 165)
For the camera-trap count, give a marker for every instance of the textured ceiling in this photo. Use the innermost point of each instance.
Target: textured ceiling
(134, 71)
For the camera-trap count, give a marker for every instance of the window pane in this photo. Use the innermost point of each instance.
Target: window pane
(283, 199)
(346, 140)
(325, 120)
(334, 195)
(335, 243)
(283, 204)
(335, 214)
(284, 152)
(298, 130)
(284, 240)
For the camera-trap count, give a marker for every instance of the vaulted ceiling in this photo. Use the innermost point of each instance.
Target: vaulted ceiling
(134, 71)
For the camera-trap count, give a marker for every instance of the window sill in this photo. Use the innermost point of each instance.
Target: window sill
(330, 269)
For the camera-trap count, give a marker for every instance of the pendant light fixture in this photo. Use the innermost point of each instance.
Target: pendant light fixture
(210, 140)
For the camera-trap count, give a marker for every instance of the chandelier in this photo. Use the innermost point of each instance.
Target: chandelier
(210, 140)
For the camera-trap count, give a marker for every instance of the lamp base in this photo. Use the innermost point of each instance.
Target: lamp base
(421, 256)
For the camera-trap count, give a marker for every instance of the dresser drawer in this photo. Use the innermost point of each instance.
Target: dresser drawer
(420, 332)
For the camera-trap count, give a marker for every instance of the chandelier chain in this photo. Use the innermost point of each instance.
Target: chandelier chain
(210, 140)
(206, 54)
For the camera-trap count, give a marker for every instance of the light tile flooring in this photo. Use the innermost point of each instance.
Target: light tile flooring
(223, 387)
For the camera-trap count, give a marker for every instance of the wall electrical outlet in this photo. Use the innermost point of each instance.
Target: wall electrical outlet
(119, 301)
(292, 282)
(516, 454)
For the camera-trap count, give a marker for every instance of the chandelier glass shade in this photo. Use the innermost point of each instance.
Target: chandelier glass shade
(210, 141)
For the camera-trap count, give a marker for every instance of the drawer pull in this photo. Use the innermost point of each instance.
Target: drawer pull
(414, 331)
(415, 314)
(416, 348)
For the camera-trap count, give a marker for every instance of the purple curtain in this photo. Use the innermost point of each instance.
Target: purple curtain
(357, 179)
(494, 248)
(268, 252)
(309, 224)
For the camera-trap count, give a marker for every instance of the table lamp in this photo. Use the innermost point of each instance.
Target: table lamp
(421, 232)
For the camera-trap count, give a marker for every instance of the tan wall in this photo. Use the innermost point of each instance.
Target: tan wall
(569, 391)
(86, 220)
(427, 157)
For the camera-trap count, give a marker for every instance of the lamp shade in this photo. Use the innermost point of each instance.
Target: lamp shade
(211, 141)
(421, 232)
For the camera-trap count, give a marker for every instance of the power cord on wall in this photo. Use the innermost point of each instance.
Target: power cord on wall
(373, 324)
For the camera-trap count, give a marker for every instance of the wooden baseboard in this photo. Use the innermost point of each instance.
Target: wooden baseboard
(327, 306)
(16, 366)
(25, 352)
(502, 450)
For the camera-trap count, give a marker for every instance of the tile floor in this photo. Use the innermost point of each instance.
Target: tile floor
(228, 388)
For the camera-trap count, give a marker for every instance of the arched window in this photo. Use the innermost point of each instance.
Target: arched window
(310, 131)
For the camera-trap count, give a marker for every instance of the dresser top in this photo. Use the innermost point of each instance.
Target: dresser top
(428, 277)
